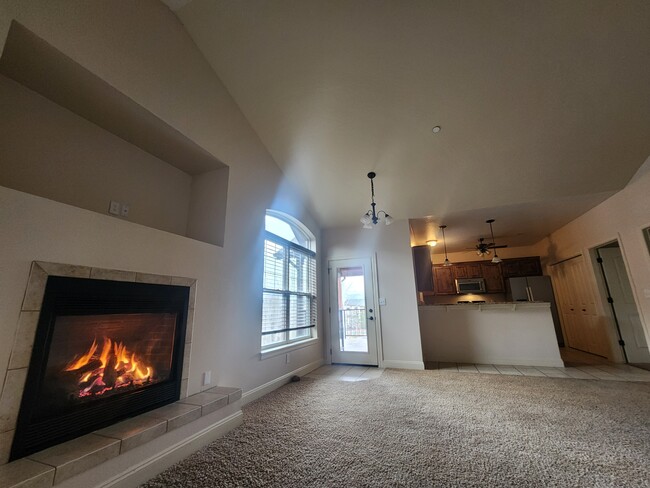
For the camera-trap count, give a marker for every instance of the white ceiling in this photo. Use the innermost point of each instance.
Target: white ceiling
(544, 106)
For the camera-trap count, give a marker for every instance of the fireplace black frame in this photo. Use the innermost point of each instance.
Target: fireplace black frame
(84, 296)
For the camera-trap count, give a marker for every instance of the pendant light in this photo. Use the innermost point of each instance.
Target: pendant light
(444, 242)
(371, 217)
(496, 259)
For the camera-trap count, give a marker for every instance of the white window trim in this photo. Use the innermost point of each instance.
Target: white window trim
(285, 348)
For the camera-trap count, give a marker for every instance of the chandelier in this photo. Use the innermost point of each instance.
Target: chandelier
(371, 217)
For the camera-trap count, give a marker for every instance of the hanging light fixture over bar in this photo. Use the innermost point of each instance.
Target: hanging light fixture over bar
(444, 242)
(496, 259)
(371, 217)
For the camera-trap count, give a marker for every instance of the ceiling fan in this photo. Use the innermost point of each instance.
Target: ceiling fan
(483, 248)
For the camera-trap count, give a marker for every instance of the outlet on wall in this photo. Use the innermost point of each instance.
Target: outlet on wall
(125, 209)
(114, 207)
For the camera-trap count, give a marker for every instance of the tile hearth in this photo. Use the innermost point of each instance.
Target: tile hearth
(53, 465)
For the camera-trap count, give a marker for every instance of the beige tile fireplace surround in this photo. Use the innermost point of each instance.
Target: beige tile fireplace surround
(62, 462)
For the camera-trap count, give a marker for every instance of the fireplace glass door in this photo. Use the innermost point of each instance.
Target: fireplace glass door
(104, 351)
(93, 356)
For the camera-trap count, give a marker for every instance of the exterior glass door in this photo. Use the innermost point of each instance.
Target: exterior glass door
(352, 312)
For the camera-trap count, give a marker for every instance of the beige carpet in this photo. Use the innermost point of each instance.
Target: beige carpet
(433, 428)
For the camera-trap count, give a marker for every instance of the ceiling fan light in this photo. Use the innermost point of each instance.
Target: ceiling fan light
(496, 259)
(447, 262)
(432, 243)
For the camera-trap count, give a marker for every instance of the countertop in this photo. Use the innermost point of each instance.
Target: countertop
(513, 306)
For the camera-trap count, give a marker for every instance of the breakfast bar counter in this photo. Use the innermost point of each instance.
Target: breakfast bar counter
(509, 333)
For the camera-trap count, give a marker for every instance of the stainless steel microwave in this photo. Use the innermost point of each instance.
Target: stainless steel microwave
(470, 285)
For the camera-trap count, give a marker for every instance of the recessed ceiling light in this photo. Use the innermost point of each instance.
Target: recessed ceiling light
(436, 129)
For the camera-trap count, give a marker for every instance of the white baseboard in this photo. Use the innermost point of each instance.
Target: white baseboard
(152, 466)
(387, 363)
(262, 390)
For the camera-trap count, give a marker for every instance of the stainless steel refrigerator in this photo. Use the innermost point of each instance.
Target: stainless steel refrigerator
(536, 289)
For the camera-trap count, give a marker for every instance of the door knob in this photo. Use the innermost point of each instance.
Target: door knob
(370, 310)
(371, 318)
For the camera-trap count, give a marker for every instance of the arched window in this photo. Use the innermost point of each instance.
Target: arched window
(289, 289)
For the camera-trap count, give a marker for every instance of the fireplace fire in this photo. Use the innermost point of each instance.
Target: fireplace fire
(115, 367)
(104, 351)
(134, 351)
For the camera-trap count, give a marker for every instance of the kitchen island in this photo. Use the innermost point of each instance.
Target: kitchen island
(518, 333)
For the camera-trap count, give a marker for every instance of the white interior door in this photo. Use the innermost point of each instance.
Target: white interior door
(627, 315)
(353, 315)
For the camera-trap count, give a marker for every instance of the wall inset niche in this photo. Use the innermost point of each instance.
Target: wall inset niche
(67, 135)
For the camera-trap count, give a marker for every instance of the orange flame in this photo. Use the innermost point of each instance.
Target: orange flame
(131, 369)
(84, 359)
(106, 351)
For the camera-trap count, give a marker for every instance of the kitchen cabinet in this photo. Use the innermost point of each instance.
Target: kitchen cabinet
(493, 278)
(520, 267)
(467, 270)
(443, 280)
(423, 270)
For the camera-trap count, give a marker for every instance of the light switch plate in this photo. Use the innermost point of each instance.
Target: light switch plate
(382, 301)
(114, 207)
(207, 378)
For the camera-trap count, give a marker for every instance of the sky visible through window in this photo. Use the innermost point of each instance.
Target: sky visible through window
(280, 228)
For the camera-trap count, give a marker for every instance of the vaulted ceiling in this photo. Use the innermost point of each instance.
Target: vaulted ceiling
(544, 105)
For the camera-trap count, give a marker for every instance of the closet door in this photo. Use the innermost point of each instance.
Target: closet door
(584, 328)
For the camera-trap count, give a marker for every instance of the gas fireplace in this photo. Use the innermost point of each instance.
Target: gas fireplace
(104, 351)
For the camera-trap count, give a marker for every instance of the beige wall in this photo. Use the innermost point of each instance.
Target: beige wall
(143, 51)
(396, 283)
(622, 217)
(49, 151)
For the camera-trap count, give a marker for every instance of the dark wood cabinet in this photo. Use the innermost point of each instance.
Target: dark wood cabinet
(493, 278)
(495, 275)
(443, 280)
(422, 265)
(519, 267)
(467, 270)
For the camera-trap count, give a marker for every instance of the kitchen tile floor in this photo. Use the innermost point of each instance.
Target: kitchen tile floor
(609, 371)
(579, 365)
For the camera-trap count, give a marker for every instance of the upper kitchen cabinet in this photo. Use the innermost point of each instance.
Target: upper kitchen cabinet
(519, 267)
(443, 280)
(423, 271)
(467, 270)
(493, 278)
